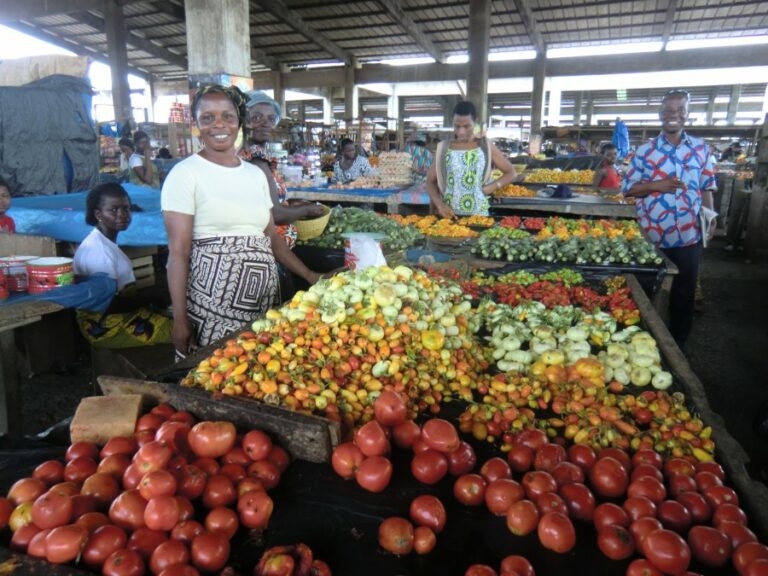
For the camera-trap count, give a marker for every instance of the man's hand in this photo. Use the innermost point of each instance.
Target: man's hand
(667, 186)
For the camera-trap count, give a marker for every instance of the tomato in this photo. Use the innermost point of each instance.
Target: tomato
(186, 509)
(153, 456)
(615, 542)
(396, 535)
(462, 460)
(724, 513)
(608, 514)
(236, 472)
(144, 437)
(667, 551)
(643, 470)
(372, 439)
(114, 465)
(758, 567)
(223, 520)
(579, 501)
(162, 513)
(556, 532)
(567, 473)
(480, 570)
(424, 540)
(346, 459)
(709, 546)
(78, 469)
(712, 467)
(641, 528)
(212, 439)
(639, 507)
(257, 445)
(207, 466)
(103, 487)
(697, 506)
(516, 565)
(419, 446)
(26, 490)
(169, 553)
(157, 483)
(123, 563)
(549, 456)
(617, 454)
(405, 434)
(429, 467)
(738, 534)
(469, 489)
(320, 568)
(51, 510)
(187, 531)
(279, 458)
(428, 511)
(748, 553)
(648, 457)
(495, 468)
(649, 487)
(50, 472)
(674, 515)
(191, 482)
(706, 480)
(83, 504)
(174, 435)
(501, 494)
(92, 520)
(440, 435)
(183, 416)
(238, 456)
(127, 511)
(248, 484)
(36, 546)
(679, 483)
(69, 488)
(132, 476)
(23, 536)
(65, 543)
(551, 502)
(375, 473)
(82, 450)
(678, 466)
(6, 509)
(21, 516)
(389, 408)
(255, 509)
(537, 483)
(163, 410)
(641, 567)
(266, 471)
(103, 541)
(532, 438)
(520, 458)
(718, 495)
(219, 491)
(144, 541)
(149, 422)
(522, 518)
(609, 478)
(583, 456)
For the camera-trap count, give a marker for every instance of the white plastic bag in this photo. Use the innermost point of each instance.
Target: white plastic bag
(362, 251)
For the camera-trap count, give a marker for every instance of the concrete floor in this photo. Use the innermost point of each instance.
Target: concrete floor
(728, 350)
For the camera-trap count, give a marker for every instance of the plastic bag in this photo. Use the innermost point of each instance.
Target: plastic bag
(362, 251)
(130, 330)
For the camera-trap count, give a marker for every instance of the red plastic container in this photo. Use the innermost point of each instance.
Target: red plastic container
(49, 273)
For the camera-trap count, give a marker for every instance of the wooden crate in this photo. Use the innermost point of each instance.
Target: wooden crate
(143, 264)
(25, 245)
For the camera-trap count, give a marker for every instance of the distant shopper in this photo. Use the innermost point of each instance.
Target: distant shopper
(459, 181)
(7, 225)
(421, 156)
(672, 176)
(164, 154)
(126, 151)
(143, 170)
(607, 177)
(351, 165)
(731, 153)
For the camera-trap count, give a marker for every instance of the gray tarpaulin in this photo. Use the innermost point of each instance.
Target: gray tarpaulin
(48, 144)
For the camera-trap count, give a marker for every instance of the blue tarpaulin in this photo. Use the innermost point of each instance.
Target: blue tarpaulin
(62, 216)
(93, 293)
(621, 138)
(372, 192)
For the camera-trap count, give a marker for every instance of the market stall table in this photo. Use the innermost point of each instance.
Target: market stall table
(327, 195)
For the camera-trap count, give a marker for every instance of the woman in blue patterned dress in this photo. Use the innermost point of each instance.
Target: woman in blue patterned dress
(459, 180)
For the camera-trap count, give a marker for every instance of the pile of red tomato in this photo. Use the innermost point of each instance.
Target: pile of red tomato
(672, 513)
(131, 507)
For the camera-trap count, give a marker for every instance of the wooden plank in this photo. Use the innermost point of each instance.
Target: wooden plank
(141, 261)
(574, 208)
(332, 197)
(26, 245)
(23, 313)
(143, 272)
(753, 494)
(139, 251)
(305, 436)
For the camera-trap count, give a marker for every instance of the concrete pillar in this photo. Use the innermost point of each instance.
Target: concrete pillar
(303, 111)
(479, 45)
(577, 104)
(118, 60)
(537, 102)
(401, 123)
(328, 106)
(733, 104)
(590, 110)
(393, 110)
(351, 104)
(449, 103)
(555, 99)
(278, 81)
(220, 45)
(711, 108)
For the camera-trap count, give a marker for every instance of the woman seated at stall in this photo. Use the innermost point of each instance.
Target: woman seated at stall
(143, 171)
(351, 165)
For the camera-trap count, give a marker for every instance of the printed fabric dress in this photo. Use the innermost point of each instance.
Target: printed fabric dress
(464, 182)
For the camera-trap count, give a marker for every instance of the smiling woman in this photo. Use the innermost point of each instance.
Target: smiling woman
(221, 233)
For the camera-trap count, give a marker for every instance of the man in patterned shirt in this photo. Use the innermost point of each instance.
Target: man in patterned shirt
(671, 177)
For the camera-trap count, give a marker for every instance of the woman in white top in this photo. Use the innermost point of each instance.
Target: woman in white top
(221, 234)
(108, 209)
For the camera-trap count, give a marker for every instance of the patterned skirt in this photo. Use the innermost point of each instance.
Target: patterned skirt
(232, 280)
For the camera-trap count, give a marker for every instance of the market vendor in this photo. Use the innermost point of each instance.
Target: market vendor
(351, 165)
(607, 177)
(422, 157)
(263, 115)
(126, 151)
(221, 232)
(7, 224)
(672, 176)
(459, 181)
(143, 172)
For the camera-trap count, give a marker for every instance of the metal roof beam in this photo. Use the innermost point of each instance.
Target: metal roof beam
(669, 23)
(415, 31)
(279, 9)
(529, 21)
(30, 9)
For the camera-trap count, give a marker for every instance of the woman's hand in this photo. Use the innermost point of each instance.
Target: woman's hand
(183, 336)
(311, 211)
(489, 189)
(445, 211)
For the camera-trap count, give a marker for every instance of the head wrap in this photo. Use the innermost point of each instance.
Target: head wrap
(258, 97)
(234, 94)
